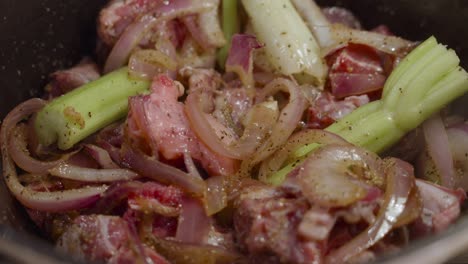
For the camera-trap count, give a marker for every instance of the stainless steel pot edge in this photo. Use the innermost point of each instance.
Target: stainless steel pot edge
(449, 246)
(17, 247)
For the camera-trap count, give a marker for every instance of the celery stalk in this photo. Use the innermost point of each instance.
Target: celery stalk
(230, 25)
(415, 57)
(289, 45)
(425, 81)
(83, 111)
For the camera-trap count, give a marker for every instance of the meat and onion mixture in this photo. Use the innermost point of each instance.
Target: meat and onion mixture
(253, 131)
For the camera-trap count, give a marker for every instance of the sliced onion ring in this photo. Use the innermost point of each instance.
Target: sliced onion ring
(44, 201)
(205, 29)
(412, 210)
(146, 64)
(458, 139)
(342, 35)
(127, 41)
(262, 118)
(135, 31)
(154, 169)
(349, 171)
(334, 36)
(194, 225)
(240, 57)
(288, 119)
(439, 149)
(114, 196)
(462, 126)
(400, 182)
(101, 156)
(299, 139)
(190, 165)
(69, 171)
(17, 147)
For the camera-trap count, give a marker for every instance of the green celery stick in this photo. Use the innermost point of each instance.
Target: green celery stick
(289, 45)
(425, 81)
(83, 111)
(230, 25)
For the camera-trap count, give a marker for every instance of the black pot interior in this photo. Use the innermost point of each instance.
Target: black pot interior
(53, 34)
(39, 37)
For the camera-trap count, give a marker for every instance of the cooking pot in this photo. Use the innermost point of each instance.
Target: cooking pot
(41, 36)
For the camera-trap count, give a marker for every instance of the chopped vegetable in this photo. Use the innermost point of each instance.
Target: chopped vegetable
(423, 83)
(76, 115)
(181, 178)
(331, 36)
(240, 59)
(316, 20)
(290, 46)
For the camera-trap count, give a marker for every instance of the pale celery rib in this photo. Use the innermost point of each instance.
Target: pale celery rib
(230, 25)
(71, 117)
(425, 81)
(289, 45)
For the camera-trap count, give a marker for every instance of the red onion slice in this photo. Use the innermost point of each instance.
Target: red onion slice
(453, 120)
(193, 26)
(299, 139)
(462, 126)
(205, 28)
(413, 209)
(339, 175)
(114, 152)
(114, 196)
(400, 181)
(333, 36)
(57, 201)
(439, 149)
(240, 57)
(101, 156)
(69, 171)
(458, 140)
(44, 201)
(190, 165)
(288, 120)
(194, 225)
(146, 64)
(127, 41)
(341, 35)
(110, 139)
(201, 126)
(17, 147)
(209, 24)
(152, 168)
(262, 117)
(135, 32)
